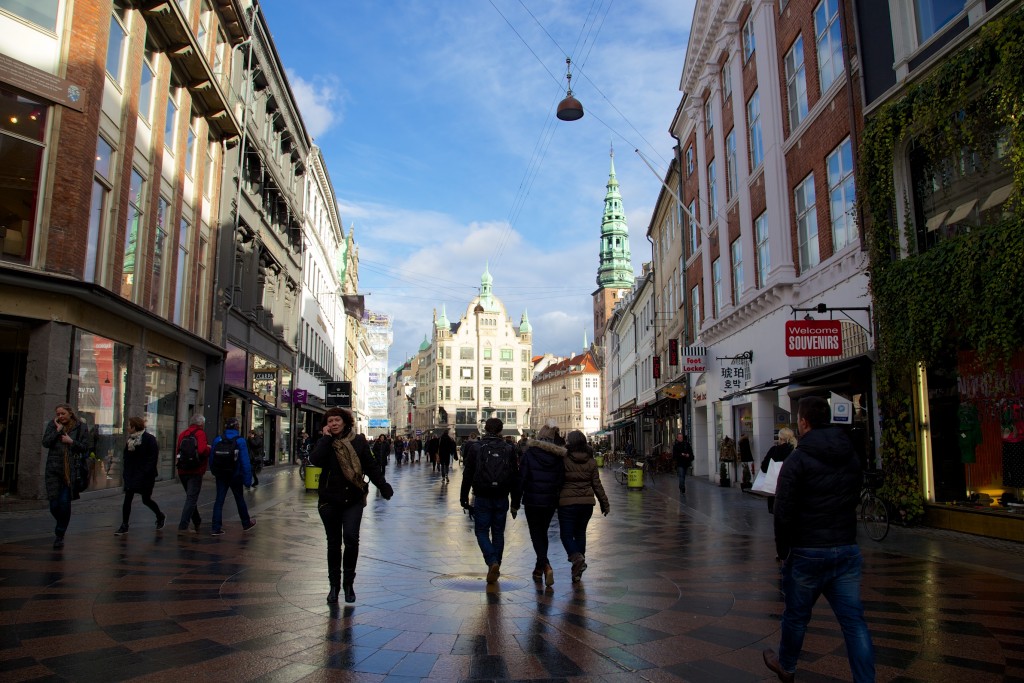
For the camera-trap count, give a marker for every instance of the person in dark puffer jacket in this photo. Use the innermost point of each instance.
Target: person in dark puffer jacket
(542, 472)
(816, 538)
(345, 458)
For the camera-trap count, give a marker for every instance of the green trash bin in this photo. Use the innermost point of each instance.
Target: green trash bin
(600, 460)
(312, 477)
(634, 478)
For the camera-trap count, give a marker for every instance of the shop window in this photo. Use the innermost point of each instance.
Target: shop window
(22, 128)
(42, 13)
(162, 408)
(102, 400)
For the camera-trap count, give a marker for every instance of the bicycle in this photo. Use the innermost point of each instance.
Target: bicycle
(628, 463)
(871, 512)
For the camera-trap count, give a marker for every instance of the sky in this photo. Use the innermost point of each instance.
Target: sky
(436, 119)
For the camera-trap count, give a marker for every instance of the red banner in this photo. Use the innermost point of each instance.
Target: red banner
(656, 366)
(814, 338)
(673, 352)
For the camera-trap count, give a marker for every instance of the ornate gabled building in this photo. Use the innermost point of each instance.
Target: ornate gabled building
(475, 368)
(569, 393)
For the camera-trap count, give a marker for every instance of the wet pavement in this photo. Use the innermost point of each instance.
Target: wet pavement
(676, 590)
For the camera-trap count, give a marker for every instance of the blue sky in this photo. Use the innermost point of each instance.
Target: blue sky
(437, 122)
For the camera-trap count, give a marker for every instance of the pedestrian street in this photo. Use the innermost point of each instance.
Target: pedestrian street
(675, 591)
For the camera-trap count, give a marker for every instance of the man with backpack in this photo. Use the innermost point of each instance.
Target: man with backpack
(491, 469)
(230, 466)
(192, 454)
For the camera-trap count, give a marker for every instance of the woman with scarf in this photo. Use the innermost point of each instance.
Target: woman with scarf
(345, 459)
(67, 442)
(141, 455)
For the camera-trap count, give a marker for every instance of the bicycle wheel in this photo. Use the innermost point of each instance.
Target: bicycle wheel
(874, 517)
(620, 476)
(302, 472)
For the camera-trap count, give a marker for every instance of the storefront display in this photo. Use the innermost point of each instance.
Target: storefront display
(101, 402)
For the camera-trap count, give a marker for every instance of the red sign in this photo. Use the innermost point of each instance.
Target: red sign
(814, 338)
(656, 365)
(673, 352)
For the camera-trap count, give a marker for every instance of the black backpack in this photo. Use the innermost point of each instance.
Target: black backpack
(224, 461)
(493, 468)
(188, 452)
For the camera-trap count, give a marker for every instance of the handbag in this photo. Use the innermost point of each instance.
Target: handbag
(765, 482)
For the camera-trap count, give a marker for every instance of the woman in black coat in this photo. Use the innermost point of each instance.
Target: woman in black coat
(778, 453)
(542, 473)
(141, 455)
(345, 459)
(66, 439)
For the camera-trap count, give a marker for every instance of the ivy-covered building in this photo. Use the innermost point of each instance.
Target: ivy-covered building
(941, 171)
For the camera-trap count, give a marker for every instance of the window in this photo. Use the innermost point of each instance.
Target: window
(199, 307)
(219, 50)
(796, 83)
(42, 13)
(146, 87)
(506, 354)
(716, 284)
(712, 192)
(932, 15)
(524, 356)
(103, 170)
(737, 270)
(828, 36)
(116, 43)
(727, 79)
(694, 228)
(171, 119)
(689, 160)
(487, 372)
(447, 372)
(764, 258)
(163, 217)
(487, 353)
(190, 150)
(506, 374)
(754, 126)
(203, 29)
(731, 180)
(466, 393)
(806, 224)
(709, 117)
(748, 40)
(526, 395)
(487, 393)
(466, 372)
(131, 234)
(505, 394)
(841, 193)
(466, 353)
(524, 374)
(695, 308)
(184, 232)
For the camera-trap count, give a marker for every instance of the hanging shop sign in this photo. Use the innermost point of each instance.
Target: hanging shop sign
(338, 394)
(656, 367)
(673, 352)
(695, 359)
(814, 338)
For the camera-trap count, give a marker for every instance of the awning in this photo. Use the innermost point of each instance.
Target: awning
(253, 398)
(828, 377)
(621, 424)
(465, 430)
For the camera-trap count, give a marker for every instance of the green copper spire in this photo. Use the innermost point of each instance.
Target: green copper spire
(442, 322)
(524, 324)
(586, 344)
(425, 344)
(486, 297)
(616, 269)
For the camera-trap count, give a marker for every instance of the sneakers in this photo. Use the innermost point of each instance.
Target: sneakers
(771, 660)
(217, 532)
(252, 523)
(121, 530)
(493, 572)
(579, 565)
(549, 576)
(160, 521)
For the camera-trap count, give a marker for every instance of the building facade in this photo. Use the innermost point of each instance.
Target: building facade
(568, 392)
(379, 337)
(116, 122)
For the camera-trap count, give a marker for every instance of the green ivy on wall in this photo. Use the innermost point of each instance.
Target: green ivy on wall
(966, 292)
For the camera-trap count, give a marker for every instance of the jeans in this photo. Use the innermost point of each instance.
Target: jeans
(835, 573)
(235, 484)
(193, 484)
(60, 508)
(445, 463)
(341, 523)
(572, 527)
(490, 515)
(538, 518)
(681, 471)
(147, 500)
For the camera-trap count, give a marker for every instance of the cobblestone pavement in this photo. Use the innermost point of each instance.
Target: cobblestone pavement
(676, 590)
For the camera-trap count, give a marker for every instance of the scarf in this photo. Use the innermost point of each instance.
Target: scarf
(348, 460)
(72, 423)
(134, 440)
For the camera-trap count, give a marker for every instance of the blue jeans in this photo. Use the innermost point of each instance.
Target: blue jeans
(681, 471)
(490, 515)
(835, 573)
(60, 508)
(193, 484)
(572, 527)
(235, 484)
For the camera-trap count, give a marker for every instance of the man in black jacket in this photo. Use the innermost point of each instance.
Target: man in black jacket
(816, 538)
(494, 457)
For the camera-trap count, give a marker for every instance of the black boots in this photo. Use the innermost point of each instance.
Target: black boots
(350, 594)
(332, 597)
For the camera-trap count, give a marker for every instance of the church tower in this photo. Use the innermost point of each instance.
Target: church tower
(615, 270)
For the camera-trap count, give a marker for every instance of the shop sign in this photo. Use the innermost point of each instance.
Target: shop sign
(296, 396)
(734, 377)
(264, 376)
(814, 338)
(695, 359)
(656, 367)
(842, 409)
(673, 352)
(41, 83)
(338, 394)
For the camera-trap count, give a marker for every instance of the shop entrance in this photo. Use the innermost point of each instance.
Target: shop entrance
(12, 390)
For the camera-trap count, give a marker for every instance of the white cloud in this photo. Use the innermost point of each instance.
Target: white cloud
(320, 102)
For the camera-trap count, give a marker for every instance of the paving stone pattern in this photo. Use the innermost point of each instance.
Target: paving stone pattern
(676, 590)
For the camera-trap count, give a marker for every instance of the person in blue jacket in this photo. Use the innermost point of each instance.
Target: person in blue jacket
(233, 478)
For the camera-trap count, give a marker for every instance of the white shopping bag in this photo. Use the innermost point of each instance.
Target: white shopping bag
(765, 483)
